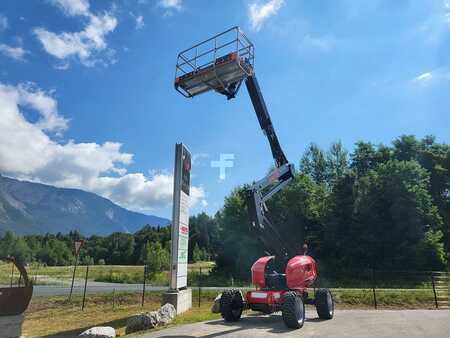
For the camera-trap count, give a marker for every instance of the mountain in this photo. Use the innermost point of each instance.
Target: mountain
(33, 208)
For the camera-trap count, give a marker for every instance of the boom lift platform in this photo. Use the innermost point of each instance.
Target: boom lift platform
(221, 64)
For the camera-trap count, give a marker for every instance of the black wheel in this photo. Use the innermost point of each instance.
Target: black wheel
(293, 310)
(231, 305)
(324, 303)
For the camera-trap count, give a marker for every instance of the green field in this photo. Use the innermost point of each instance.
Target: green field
(58, 275)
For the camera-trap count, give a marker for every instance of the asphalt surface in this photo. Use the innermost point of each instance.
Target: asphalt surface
(346, 323)
(92, 287)
(101, 287)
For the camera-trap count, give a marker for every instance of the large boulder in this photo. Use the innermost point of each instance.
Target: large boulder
(143, 321)
(167, 313)
(99, 332)
(215, 308)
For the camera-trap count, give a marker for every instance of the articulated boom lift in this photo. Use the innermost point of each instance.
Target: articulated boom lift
(221, 64)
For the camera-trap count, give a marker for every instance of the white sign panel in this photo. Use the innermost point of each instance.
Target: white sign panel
(180, 218)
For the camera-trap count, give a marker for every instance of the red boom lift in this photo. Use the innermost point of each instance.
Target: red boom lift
(221, 64)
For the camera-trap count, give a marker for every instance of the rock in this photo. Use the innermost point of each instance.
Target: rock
(99, 332)
(143, 321)
(167, 313)
(216, 305)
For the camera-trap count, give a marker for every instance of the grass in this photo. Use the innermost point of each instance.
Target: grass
(57, 275)
(52, 317)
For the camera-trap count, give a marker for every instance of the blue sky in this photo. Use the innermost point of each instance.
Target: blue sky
(87, 98)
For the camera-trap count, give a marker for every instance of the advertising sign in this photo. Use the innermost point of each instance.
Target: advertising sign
(180, 218)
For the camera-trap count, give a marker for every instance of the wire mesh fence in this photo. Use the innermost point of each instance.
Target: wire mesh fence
(366, 288)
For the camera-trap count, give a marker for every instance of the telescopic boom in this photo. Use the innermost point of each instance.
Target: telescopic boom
(224, 74)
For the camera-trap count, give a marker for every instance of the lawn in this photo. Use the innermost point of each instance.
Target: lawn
(56, 317)
(40, 317)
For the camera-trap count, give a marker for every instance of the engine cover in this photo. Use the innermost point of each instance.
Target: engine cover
(301, 272)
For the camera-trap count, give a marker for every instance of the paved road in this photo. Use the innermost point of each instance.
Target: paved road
(100, 287)
(92, 287)
(346, 323)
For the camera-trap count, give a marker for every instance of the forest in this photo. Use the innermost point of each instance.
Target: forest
(384, 207)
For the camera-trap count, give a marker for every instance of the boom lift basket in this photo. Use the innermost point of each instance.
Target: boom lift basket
(219, 63)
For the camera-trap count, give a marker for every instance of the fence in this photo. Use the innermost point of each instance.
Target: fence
(369, 288)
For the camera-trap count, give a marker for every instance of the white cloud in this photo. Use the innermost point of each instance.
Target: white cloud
(258, 12)
(27, 152)
(435, 77)
(140, 22)
(73, 7)
(3, 22)
(85, 45)
(198, 158)
(171, 4)
(425, 77)
(16, 53)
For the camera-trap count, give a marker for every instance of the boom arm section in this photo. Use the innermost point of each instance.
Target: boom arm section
(264, 189)
(264, 119)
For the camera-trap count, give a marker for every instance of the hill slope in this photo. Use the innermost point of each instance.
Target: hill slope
(32, 208)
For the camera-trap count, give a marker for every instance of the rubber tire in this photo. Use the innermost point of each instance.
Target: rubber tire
(324, 303)
(293, 310)
(231, 305)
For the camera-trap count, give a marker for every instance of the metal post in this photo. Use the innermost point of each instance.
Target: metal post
(85, 286)
(12, 274)
(143, 286)
(73, 277)
(373, 290)
(434, 291)
(199, 287)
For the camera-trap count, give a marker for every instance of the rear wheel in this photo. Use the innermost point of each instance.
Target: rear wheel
(324, 303)
(293, 310)
(231, 305)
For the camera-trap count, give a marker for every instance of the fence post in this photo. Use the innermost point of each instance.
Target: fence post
(85, 286)
(373, 290)
(143, 285)
(434, 290)
(199, 286)
(12, 274)
(73, 277)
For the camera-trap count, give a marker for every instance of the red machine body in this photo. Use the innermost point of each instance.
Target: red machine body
(300, 272)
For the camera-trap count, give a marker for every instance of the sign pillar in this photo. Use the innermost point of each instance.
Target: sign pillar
(180, 218)
(179, 295)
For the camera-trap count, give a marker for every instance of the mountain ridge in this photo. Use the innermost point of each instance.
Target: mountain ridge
(36, 208)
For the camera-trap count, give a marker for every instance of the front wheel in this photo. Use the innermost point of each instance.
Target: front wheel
(324, 303)
(231, 305)
(293, 310)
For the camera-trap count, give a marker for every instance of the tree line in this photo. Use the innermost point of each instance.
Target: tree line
(379, 207)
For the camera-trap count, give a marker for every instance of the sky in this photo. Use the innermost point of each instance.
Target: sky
(87, 98)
